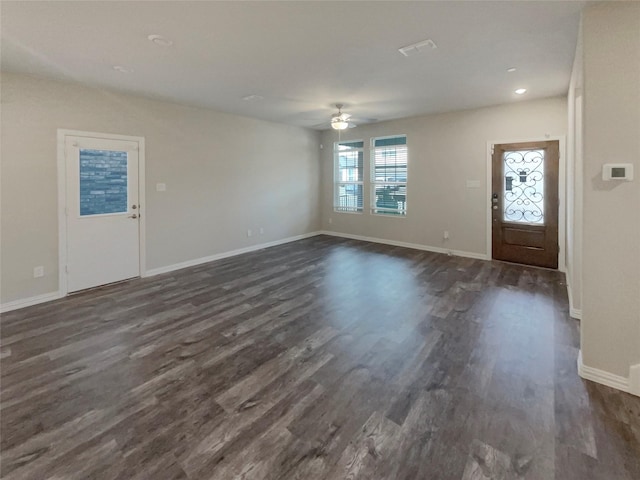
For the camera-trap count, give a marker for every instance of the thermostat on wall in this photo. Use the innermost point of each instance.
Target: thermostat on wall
(617, 171)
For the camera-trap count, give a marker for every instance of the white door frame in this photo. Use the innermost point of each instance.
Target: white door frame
(62, 199)
(562, 193)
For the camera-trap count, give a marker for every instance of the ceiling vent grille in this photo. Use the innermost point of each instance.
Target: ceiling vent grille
(416, 48)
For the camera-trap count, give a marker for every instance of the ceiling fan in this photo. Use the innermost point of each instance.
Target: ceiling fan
(340, 121)
(337, 121)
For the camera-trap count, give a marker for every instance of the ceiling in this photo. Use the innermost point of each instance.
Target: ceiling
(301, 57)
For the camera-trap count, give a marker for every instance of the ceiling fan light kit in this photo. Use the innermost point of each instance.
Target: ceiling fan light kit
(339, 124)
(340, 121)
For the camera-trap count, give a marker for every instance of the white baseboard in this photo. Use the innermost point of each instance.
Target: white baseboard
(253, 248)
(415, 246)
(219, 256)
(573, 312)
(634, 379)
(605, 378)
(47, 297)
(27, 302)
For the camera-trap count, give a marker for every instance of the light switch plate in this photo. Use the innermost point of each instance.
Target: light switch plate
(473, 183)
(161, 187)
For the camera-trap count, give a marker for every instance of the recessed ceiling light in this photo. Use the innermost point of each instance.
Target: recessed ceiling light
(521, 91)
(511, 70)
(160, 40)
(252, 97)
(121, 69)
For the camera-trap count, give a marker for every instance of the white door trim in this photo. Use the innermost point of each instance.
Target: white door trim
(62, 199)
(562, 193)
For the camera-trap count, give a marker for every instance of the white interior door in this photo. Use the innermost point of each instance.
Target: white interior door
(103, 211)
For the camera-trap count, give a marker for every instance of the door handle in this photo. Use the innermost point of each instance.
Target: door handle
(133, 216)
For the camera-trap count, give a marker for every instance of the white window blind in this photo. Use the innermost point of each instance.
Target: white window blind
(389, 159)
(349, 176)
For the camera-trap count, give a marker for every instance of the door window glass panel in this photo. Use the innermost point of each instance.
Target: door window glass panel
(103, 182)
(523, 186)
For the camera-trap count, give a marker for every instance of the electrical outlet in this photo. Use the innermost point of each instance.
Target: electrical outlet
(249, 233)
(38, 272)
(330, 220)
(261, 231)
(446, 235)
(161, 187)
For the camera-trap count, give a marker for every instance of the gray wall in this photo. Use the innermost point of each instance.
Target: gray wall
(224, 175)
(611, 218)
(445, 151)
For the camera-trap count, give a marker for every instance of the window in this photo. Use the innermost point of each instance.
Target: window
(103, 182)
(389, 175)
(349, 176)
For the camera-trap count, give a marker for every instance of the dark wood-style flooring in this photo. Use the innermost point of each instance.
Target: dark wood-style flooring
(320, 359)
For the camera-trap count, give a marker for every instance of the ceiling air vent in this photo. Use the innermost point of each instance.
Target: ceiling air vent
(418, 48)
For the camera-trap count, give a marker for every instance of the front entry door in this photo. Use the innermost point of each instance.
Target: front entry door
(103, 237)
(524, 203)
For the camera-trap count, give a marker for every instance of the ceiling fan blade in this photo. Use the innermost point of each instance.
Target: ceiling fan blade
(363, 120)
(345, 117)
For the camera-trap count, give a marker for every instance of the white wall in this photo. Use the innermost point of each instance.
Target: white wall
(445, 151)
(611, 240)
(224, 175)
(574, 183)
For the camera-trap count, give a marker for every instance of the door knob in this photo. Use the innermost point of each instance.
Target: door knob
(133, 216)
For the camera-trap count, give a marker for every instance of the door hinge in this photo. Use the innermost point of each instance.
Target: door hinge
(493, 149)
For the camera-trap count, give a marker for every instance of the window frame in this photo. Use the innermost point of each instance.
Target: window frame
(381, 211)
(337, 182)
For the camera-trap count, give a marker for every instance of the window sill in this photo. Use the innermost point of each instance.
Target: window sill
(387, 215)
(347, 212)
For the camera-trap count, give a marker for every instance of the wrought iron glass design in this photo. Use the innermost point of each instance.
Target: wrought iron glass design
(523, 186)
(103, 182)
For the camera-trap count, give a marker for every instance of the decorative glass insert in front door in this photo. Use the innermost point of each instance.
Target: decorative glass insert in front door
(523, 186)
(103, 182)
